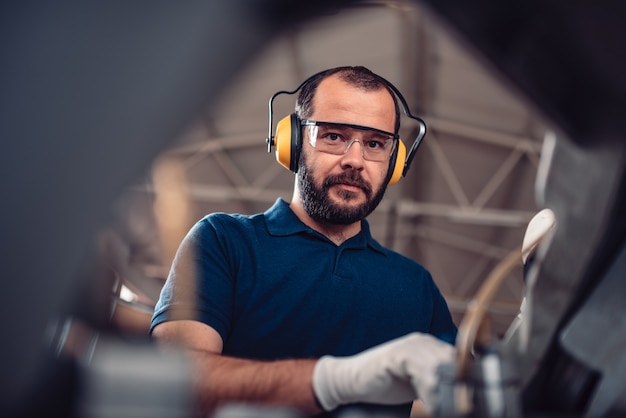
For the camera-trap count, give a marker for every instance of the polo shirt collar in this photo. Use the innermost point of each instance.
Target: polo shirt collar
(281, 221)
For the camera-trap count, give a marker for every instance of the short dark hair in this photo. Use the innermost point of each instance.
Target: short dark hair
(357, 76)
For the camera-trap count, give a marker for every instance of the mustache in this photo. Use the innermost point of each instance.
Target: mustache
(350, 178)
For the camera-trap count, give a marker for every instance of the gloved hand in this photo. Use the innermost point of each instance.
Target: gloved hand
(398, 371)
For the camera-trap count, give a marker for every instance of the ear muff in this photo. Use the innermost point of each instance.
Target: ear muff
(397, 163)
(288, 142)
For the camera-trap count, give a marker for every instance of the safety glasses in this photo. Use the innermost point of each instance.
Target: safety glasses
(337, 138)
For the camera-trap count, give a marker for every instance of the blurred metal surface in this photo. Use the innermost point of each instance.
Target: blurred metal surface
(132, 379)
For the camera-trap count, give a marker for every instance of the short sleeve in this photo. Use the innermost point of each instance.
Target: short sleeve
(200, 282)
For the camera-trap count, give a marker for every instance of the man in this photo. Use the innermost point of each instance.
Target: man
(300, 306)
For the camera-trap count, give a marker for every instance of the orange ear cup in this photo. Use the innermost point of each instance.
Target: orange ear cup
(282, 142)
(399, 165)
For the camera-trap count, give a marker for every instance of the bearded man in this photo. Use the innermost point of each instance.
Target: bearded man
(299, 306)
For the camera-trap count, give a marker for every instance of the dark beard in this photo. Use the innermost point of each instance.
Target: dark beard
(320, 207)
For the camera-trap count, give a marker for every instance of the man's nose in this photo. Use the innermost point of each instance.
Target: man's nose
(353, 155)
(351, 145)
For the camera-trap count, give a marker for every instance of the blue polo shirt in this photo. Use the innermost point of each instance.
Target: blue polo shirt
(273, 288)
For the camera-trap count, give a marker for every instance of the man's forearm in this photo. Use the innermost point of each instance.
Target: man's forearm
(218, 380)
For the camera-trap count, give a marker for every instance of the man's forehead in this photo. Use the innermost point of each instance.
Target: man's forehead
(339, 101)
(335, 83)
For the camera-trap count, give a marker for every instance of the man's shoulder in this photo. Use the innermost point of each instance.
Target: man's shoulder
(276, 221)
(230, 217)
(278, 209)
(222, 220)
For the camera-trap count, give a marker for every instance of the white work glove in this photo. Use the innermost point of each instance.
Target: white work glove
(396, 372)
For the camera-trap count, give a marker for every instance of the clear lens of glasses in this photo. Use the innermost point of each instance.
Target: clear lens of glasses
(337, 138)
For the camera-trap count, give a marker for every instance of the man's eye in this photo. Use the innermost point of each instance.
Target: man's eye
(373, 144)
(333, 137)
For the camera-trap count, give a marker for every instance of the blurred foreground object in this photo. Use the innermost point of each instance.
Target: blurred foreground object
(91, 93)
(567, 61)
